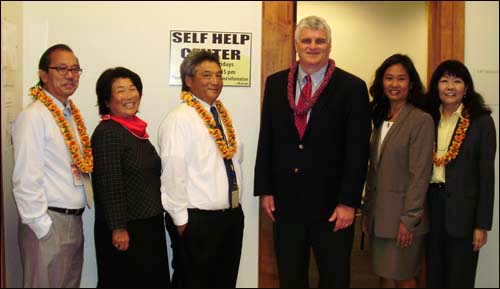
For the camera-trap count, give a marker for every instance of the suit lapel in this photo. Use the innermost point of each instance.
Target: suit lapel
(376, 147)
(393, 130)
(287, 115)
(320, 104)
(454, 133)
(316, 110)
(289, 112)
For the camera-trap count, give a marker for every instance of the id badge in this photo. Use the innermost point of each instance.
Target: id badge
(235, 198)
(77, 175)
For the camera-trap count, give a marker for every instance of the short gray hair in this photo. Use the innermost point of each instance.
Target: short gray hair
(193, 59)
(313, 23)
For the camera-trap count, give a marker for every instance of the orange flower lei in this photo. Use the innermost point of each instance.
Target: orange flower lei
(227, 149)
(455, 144)
(84, 163)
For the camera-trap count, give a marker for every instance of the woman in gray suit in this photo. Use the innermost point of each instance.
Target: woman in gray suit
(462, 186)
(399, 173)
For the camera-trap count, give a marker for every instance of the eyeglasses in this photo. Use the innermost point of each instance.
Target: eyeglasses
(62, 70)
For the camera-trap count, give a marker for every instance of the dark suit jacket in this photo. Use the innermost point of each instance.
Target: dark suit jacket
(310, 177)
(470, 180)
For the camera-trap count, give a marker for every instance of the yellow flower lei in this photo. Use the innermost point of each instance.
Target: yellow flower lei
(455, 144)
(84, 163)
(227, 149)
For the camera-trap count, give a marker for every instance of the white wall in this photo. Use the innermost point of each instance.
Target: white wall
(11, 105)
(481, 58)
(136, 35)
(365, 33)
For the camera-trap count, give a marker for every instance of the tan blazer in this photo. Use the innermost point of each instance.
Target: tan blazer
(397, 181)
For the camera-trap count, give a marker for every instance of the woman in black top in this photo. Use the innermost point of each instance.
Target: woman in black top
(129, 230)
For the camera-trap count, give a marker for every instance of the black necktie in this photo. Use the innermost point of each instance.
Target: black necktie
(228, 163)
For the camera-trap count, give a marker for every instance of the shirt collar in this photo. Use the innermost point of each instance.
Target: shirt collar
(316, 77)
(458, 112)
(203, 103)
(59, 104)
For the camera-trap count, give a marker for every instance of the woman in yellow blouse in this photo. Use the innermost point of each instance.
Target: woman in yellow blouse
(461, 192)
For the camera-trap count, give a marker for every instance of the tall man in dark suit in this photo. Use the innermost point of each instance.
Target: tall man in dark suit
(312, 159)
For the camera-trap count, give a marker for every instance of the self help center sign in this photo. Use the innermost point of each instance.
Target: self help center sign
(234, 50)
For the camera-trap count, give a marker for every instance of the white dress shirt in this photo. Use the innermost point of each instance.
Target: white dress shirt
(42, 174)
(194, 174)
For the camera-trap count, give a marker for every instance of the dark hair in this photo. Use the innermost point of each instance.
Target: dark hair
(380, 104)
(473, 102)
(105, 82)
(45, 59)
(193, 59)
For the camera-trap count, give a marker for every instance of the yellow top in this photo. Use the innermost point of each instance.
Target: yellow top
(445, 131)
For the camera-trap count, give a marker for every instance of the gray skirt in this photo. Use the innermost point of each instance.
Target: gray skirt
(393, 262)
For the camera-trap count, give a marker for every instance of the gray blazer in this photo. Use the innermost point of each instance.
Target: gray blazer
(397, 181)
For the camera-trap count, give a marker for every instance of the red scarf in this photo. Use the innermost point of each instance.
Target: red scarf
(134, 125)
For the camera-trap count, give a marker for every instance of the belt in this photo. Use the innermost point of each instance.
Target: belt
(76, 212)
(215, 212)
(439, 186)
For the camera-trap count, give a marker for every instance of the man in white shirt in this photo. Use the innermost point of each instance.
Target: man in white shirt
(201, 178)
(49, 180)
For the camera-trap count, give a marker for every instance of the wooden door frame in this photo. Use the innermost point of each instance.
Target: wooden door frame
(446, 33)
(278, 52)
(446, 38)
(2, 240)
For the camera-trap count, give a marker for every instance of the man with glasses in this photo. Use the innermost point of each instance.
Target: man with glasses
(51, 182)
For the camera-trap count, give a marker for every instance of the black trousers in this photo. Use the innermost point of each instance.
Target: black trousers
(178, 255)
(331, 250)
(143, 265)
(451, 261)
(208, 254)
